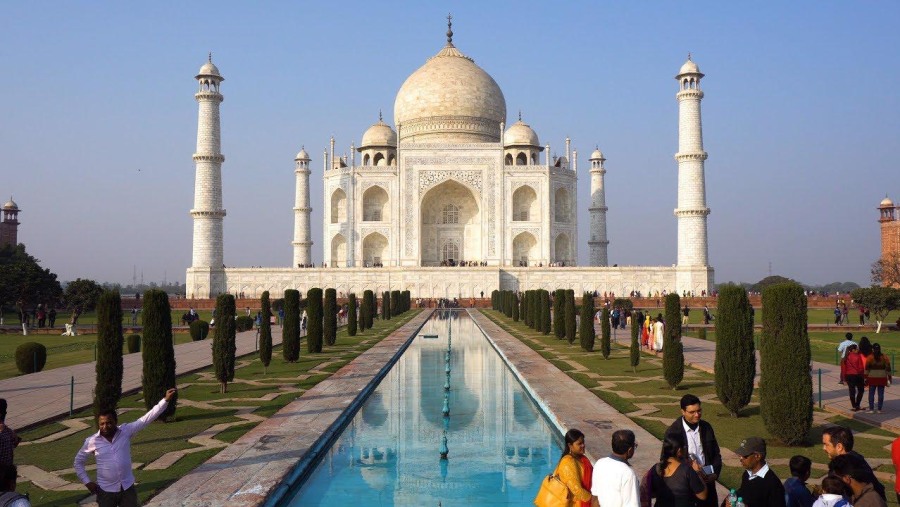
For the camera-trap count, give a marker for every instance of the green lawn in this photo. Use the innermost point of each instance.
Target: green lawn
(250, 386)
(624, 390)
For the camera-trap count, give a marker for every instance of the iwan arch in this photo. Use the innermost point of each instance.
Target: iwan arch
(448, 184)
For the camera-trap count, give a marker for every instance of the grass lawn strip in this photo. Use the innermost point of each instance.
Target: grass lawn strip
(206, 420)
(645, 398)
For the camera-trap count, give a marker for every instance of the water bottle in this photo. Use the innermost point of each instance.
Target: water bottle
(740, 502)
(732, 498)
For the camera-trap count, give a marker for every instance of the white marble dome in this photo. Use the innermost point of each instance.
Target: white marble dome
(450, 99)
(597, 155)
(884, 202)
(689, 67)
(302, 155)
(520, 134)
(379, 135)
(209, 69)
(11, 205)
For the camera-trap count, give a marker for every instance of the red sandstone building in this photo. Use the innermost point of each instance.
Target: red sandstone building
(890, 228)
(9, 227)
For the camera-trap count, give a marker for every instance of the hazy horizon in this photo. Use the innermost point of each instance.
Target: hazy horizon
(799, 114)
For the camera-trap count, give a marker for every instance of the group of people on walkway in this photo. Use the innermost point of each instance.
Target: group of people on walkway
(690, 463)
(864, 365)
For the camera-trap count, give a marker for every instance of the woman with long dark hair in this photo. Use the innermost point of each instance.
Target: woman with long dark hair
(855, 367)
(865, 346)
(674, 481)
(878, 374)
(571, 471)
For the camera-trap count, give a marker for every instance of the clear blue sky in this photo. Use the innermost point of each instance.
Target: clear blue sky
(98, 119)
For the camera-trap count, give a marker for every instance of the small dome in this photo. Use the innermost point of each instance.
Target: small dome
(302, 155)
(884, 202)
(520, 134)
(379, 135)
(689, 67)
(597, 155)
(11, 205)
(209, 69)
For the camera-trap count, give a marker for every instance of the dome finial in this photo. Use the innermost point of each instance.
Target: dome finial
(379, 115)
(209, 58)
(520, 115)
(449, 29)
(689, 56)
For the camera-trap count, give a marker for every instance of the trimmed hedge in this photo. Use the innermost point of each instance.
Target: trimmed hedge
(386, 305)
(546, 310)
(290, 328)
(243, 323)
(605, 346)
(635, 351)
(133, 342)
(559, 325)
(199, 330)
(329, 317)
(31, 357)
(735, 365)
(785, 385)
(673, 349)
(351, 315)
(569, 311)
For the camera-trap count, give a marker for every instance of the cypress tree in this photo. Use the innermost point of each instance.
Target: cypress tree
(535, 311)
(569, 311)
(368, 300)
(510, 302)
(386, 305)
(673, 349)
(604, 333)
(109, 367)
(351, 315)
(290, 330)
(224, 346)
(785, 386)
(395, 303)
(735, 364)
(545, 312)
(586, 333)
(329, 324)
(635, 344)
(527, 304)
(522, 300)
(515, 308)
(495, 305)
(158, 353)
(314, 320)
(559, 325)
(363, 313)
(265, 332)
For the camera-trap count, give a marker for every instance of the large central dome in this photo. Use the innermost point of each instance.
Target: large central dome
(450, 99)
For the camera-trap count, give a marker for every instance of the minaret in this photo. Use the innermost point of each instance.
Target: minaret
(692, 211)
(9, 227)
(207, 212)
(302, 235)
(598, 243)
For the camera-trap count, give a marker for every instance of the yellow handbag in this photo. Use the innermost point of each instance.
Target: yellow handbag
(553, 493)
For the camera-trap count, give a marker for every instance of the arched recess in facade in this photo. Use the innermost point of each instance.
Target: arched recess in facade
(561, 249)
(376, 205)
(338, 251)
(562, 209)
(338, 206)
(525, 249)
(525, 205)
(450, 216)
(375, 246)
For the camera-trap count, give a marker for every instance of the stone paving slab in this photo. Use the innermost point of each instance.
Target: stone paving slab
(248, 471)
(45, 396)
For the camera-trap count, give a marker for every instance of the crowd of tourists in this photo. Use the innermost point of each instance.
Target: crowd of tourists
(864, 365)
(690, 462)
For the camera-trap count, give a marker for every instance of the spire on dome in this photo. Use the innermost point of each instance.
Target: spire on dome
(520, 115)
(209, 58)
(689, 56)
(450, 30)
(379, 115)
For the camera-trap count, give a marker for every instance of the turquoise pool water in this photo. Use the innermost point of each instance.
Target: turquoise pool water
(498, 443)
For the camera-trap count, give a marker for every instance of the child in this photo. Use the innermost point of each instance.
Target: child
(796, 494)
(833, 491)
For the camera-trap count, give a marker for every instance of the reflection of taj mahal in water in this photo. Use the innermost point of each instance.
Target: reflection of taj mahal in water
(450, 183)
(499, 445)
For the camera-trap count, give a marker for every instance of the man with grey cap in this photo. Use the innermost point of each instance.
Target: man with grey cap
(760, 487)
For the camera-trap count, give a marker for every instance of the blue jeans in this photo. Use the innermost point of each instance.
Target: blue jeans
(872, 390)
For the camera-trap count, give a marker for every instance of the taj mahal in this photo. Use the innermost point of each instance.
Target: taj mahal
(449, 201)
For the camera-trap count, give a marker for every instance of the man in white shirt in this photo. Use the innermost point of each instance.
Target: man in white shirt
(111, 447)
(614, 482)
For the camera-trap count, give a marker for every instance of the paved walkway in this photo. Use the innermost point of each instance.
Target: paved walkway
(46, 395)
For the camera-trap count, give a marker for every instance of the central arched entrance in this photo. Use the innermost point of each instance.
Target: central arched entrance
(450, 225)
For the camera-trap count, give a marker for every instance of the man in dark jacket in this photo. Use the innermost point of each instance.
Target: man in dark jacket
(701, 442)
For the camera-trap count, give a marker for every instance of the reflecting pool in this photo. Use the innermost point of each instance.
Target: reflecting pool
(497, 442)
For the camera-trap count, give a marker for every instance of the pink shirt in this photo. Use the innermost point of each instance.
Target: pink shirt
(114, 458)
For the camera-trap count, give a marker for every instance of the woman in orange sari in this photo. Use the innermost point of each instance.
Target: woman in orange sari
(571, 470)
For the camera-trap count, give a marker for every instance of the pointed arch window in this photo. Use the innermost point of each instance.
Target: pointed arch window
(450, 214)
